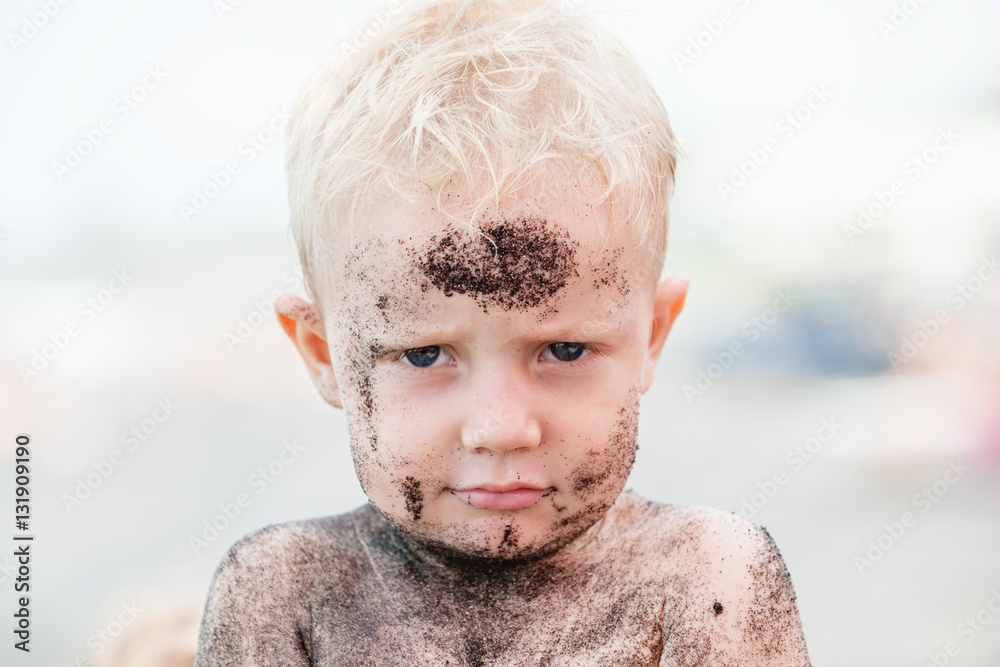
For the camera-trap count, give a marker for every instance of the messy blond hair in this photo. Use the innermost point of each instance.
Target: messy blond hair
(468, 103)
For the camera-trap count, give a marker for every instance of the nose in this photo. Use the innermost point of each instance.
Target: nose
(502, 419)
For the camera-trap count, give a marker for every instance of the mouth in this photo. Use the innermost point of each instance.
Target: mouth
(514, 496)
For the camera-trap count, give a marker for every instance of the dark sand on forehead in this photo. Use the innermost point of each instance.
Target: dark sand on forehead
(520, 263)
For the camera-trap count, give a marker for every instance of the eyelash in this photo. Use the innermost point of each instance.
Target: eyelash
(587, 347)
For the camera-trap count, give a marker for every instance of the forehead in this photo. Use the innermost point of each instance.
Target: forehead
(411, 274)
(517, 257)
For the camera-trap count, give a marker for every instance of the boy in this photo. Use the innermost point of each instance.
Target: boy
(479, 195)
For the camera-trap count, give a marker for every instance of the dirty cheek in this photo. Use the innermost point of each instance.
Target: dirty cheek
(413, 497)
(389, 477)
(605, 471)
(363, 314)
(359, 391)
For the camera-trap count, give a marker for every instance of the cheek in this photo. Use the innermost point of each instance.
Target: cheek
(605, 469)
(413, 496)
(363, 409)
(398, 452)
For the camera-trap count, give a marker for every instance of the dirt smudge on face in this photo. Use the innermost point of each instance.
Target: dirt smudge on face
(365, 391)
(611, 272)
(414, 497)
(613, 464)
(520, 263)
(587, 476)
(358, 306)
(510, 538)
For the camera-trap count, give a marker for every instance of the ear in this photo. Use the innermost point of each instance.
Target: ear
(301, 321)
(667, 304)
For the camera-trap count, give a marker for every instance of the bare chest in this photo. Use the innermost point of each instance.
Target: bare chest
(579, 621)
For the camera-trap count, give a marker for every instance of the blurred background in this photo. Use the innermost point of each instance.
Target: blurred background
(835, 375)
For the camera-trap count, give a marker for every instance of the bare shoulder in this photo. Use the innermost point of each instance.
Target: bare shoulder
(290, 553)
(729, 597)
(259, 604)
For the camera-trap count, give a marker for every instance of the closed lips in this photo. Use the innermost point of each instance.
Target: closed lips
(507, 497)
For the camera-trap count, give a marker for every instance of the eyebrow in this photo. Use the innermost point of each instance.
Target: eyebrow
(404, 335)
(586, 330)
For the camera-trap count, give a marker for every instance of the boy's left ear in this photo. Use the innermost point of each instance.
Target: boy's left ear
(667, 305)
(302, 322)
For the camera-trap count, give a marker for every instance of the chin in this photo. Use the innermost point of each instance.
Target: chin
(498, 539)
(497, 552)
(467, 534)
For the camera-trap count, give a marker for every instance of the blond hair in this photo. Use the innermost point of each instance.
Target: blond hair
(475, 101)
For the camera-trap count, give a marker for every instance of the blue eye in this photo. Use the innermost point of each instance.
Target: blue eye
(422, 357)
(567, 351)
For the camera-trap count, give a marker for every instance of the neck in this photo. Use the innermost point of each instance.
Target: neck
(438, 562)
